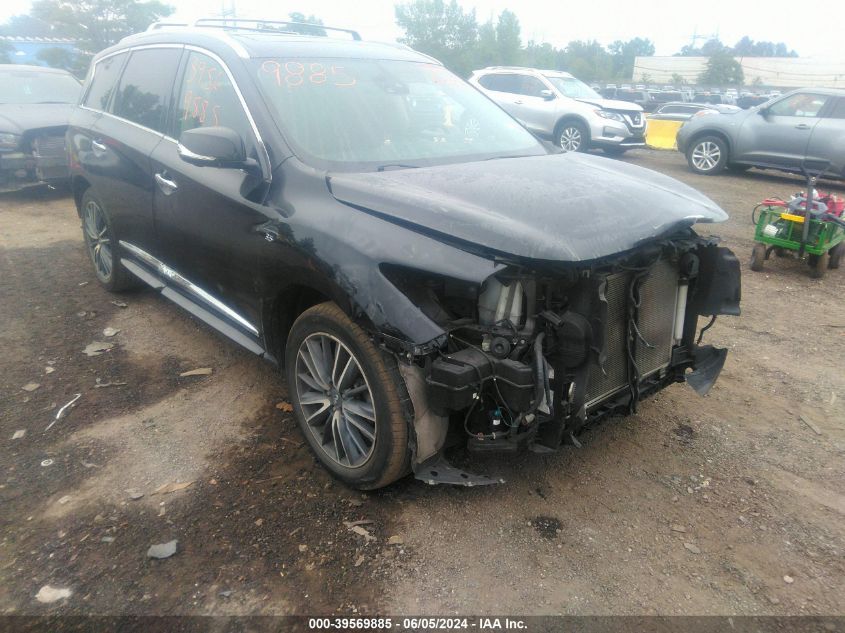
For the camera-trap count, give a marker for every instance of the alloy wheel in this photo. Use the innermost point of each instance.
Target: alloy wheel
(706, 155)
(336, 400)
(570, 139)
(97, 238)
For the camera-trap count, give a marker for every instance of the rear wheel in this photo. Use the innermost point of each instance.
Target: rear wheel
(758, 257)
(103, 246)
(707, 155)
(572, 136)
(348, 398)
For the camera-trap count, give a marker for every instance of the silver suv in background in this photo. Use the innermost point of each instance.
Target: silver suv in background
(780, 134)
(557, 106)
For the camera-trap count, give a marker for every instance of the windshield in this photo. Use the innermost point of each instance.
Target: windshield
(353, 114)
(573, 88)
(31, 86)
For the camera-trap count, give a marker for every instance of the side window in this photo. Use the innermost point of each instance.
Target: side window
(207, 98)
(838, 109)
(145, 86)
(801, 104)
(499, 83)
(530, 86)
(104, 81)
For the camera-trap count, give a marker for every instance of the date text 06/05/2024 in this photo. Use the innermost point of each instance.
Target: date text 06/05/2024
(418, 624)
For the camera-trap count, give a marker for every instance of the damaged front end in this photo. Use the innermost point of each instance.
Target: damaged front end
(34, 158)
(537, 352)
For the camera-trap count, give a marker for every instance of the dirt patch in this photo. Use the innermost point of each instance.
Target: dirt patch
(692, 506)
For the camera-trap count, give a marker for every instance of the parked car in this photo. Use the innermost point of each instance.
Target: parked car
(642, 98)
(683, 111)
(781, 134)
(557, 106)
(35, 105)
(748, 101)
(709, 97)
(411, 277)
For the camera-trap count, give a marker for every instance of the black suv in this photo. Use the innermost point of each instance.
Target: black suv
(414, 258)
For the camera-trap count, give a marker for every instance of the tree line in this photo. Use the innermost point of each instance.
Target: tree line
(440, 28)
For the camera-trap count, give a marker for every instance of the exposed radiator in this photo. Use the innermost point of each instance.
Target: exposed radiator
(656, 319)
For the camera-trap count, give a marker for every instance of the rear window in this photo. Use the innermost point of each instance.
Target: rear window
(103, 83)
(838, 110)
(33, 86)
(145, 86)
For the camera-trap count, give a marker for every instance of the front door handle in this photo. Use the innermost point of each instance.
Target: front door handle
(98, 147)
(518, 102)
(166, 185)
(802, 126)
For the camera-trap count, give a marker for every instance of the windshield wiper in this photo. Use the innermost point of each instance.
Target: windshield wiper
(396, 166)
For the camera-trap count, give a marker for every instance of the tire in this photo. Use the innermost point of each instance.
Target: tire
(102, 245)
(707, 155)
(572, 136)
(819, 267)
(758, 257)
(738, 168)
(836, 254)
(355, 419)
(614, 151)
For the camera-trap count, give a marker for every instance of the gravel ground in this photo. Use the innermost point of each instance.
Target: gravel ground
(729, 504)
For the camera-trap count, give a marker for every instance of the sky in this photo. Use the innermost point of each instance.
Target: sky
(811, 28)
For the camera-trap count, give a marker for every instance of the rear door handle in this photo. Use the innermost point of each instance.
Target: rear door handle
(166, 185)
(802, 126)
(98, 147)
(518, 102)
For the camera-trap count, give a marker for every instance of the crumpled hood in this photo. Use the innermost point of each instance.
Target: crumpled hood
(613, 104)
(19, 118)
(566, 207)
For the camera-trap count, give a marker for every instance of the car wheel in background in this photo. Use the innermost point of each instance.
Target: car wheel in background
(707, 155)
(572, 136)
(102, 245)
(736, 167)
(347, 397)
(614, 151)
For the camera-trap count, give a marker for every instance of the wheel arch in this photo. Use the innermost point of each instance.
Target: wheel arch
(711, 132)
(79, 185)
(286, 304)
(567, 118)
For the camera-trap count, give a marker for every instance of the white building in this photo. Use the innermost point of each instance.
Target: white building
(775, 72)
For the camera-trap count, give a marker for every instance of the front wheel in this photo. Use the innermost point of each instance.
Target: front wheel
(818, 265)
(348, 399)
(835, 254)
(758, 257)
(707, 155)
(572, 136)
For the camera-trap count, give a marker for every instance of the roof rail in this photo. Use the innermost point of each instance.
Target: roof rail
(272, 26)
(157, 26)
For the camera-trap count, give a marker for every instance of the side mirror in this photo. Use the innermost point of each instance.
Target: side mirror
(763, 112)
(548, 95)
(213, 147)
